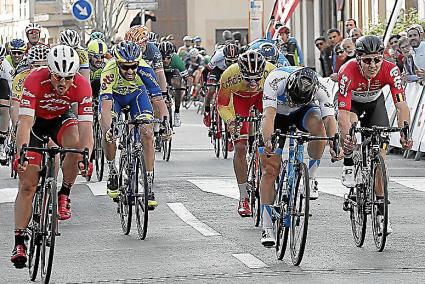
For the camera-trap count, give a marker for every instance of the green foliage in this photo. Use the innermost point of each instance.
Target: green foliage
(404, 21)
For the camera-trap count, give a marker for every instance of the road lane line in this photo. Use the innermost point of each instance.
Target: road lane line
(8, 195)
(187, 217)
(97, 188)
(222, 186)
(417, 183)
(250, 260)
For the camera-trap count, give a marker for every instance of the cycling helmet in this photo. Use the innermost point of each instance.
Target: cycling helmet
(17, 44)
(127, 51)
(251, 65)
(63, 61)
(97, 35)
(2, 51)
(70, 38)
(269, 51)
(193, 52)
(166, 48)
(97, 46)
(137, 34)
(369, 44)
(153, 36)
(197, 39)
(187, 38)
(38, 53)
(231, 53)
(32, 26)
(301, 85)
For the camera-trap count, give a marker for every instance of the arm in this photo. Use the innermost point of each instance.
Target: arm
(267, 124)
(23, 133)
(85, 130)
(403, 113)
(300, 53)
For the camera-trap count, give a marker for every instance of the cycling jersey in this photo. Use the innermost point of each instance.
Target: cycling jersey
(281, 61)
(275, 96)
(153, 56)
(9, 58)
(217, 60)
(22, 66)
(84, 58)
(232, 85)
(39, 99)
(96, 73)
(176, 63)
(6, 71)
(353, 86)
(18, 85)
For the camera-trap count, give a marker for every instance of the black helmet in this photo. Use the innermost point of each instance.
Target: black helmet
(252, 65)
(369, 44)
(301, 86)
(166, 48)
(231, 53)
(269, 51)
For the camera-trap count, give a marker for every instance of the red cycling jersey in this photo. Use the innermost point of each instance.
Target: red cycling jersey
(40, 99)
(353, 86)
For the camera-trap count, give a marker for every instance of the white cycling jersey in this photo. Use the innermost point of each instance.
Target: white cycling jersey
(217, 60)
(274, 93)
(7, 72)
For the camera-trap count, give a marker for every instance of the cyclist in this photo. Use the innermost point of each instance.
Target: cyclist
(97, 50)
(17, 51)
(184, 49)
(197, 43)
(46, 111)
(6, 78)
(97, 35)
(290, 98)
(360, 98)
(124, 82)
(33, 31)
(269, 50)
(175, 71)
(194, 65)
(153, 37)
(241, 88)
(222, 58)
(72, 39)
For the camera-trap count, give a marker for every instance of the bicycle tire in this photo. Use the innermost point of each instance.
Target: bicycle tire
(300, 205)
(34, 243)
(124, 204)
(166, 147)
(141, 196)
(282, 232)
(379, 234)
(99, 155)
(49, 229)
(224, 139)
(358, 215)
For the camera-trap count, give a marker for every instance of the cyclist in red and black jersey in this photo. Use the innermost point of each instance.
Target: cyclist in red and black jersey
(360, 96)
(45, 111)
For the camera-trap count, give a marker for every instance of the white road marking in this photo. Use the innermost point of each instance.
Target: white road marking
(222, 186)
(416, 183)
(8, 195)
(97, 188)
(250, 260)
(331, 186)
(187, 217)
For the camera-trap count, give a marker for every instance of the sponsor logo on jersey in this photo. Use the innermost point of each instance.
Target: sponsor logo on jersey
(343, 85)
(274, 84)
(395, 74)
(25, 102)
(87, 100)
(341, 104)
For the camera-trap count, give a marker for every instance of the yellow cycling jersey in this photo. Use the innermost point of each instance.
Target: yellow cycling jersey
(18, 84)
(84, 57)
(232, 83)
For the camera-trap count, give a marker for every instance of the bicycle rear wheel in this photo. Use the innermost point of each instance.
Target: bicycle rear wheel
(379, 214)
(35, 237)
(224, 139)
(49, 217)
(141, 191)
(125, 208)
(282, 232)
(300, 207)
(357, 199)
(99, 156)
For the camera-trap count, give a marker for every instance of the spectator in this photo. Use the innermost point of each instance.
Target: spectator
(349, 48)
(237, 37)
(349, 25)
(414, 36)
(290, 47)
(409, 68)
(334, 37)
(355, 33)
(392, 52)
(325, 56)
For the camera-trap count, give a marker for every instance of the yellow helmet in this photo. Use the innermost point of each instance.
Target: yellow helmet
(97, 46)
(137, 34)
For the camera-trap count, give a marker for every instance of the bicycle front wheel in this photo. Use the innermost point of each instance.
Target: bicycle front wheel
(282, 231)
(49, 217)
(357, 199)
(99, 156)
(125, 208)
(141, 192)
(35, 238)
(216, 134)
(300, 207)
(379, 205)
(224, 139)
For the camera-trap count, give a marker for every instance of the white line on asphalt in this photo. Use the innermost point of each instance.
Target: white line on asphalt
(250, 260)
(417, 183)
(221, 186)
(8, 194)
(187, 217)
(97, 188)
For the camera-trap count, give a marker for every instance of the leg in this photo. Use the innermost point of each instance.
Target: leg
(4, 126)
(177, 83)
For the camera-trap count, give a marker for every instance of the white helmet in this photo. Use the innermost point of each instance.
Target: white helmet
(32, 26)
(193, 52)
(70, 38)
(187, 38)
(63, 61)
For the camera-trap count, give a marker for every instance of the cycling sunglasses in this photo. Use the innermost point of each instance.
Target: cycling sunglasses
(60, 78)
(31, 32)
(97, 56)
(128, 67)
(368, 60)
(17, 52)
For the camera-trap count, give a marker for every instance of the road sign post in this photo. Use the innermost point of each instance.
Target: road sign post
(82, 10)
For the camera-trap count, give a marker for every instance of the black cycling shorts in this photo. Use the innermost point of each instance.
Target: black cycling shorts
(297, 118)
(4, 90)
(95, 88)
(170, 74)
(215, 74)
(371, 113)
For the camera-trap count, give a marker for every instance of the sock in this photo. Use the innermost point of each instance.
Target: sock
(313, 165)
(242, 191)
(112, 166)
(149, 173)
(66, 190)
(348, 159)
(20, 236)
(266, 216)
(207, 109)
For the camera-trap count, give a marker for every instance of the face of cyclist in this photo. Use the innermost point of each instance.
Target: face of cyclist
(96, 60)
(166, 60)
(33, 36)
(252, 84)
(414, 38)
(128, 70)
(198, 43)
(17, 56)
(61, 84)
(188, 43)
(371, 64)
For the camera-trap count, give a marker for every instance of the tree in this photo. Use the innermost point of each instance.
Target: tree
(404, 21)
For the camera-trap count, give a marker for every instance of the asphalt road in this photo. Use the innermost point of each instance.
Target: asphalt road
(196, 236)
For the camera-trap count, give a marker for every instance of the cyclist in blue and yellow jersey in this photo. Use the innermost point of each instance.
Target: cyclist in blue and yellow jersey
(270, 51)
(72, 39)
(127, 80)
(17, 51)
(97, 50)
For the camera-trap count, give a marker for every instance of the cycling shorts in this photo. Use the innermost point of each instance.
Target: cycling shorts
(372, 113)
(297, 118)
(48, 128)
(4, 89)
(243, 106)
(138, 101)
(170, 75)
(215, 75)
(95, 88)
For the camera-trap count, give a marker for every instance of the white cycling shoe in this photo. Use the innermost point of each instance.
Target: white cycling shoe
(314, 191)
(177, 120)
(268, 237)
(347, 176)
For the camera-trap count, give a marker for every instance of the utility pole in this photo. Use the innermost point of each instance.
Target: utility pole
(99, 15)
(31, 4)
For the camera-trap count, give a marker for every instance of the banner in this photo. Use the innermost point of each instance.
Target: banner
(282, 12)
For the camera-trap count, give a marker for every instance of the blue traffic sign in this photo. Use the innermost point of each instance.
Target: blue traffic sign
(82, 10)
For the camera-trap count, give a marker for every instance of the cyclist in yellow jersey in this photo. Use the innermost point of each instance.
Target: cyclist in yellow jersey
(72, 38)
(17, 50)
(241, 89)
(97, 50)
